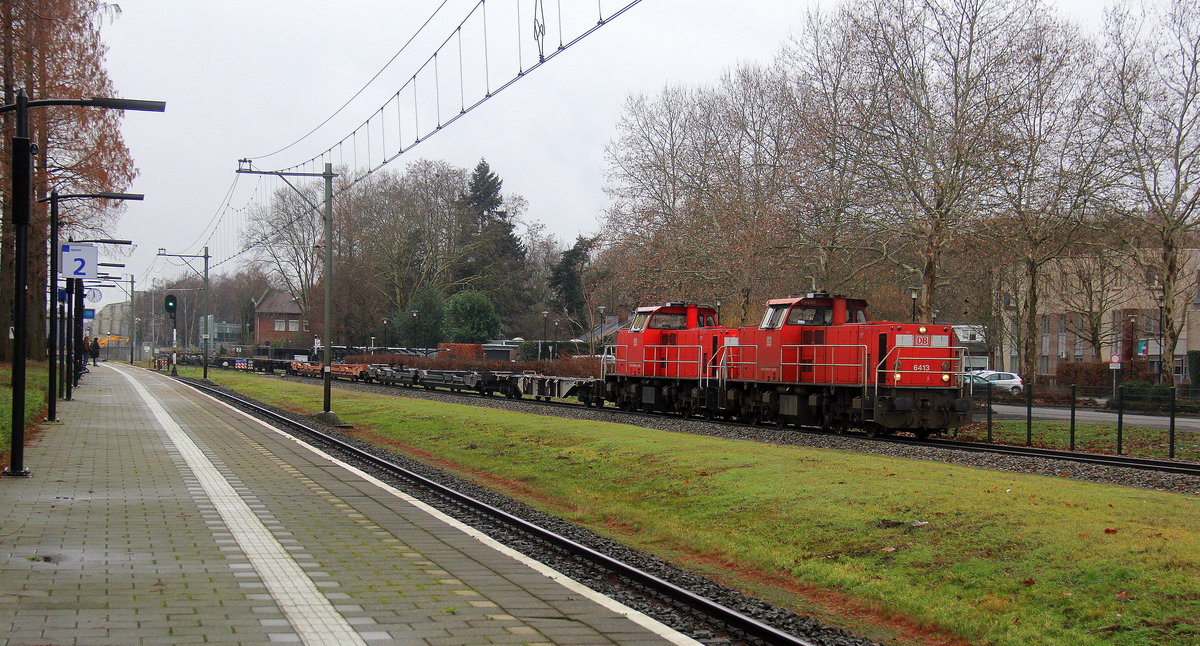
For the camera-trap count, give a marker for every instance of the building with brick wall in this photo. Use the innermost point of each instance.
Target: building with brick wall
(278, 321)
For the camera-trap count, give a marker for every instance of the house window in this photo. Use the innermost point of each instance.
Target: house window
(294, 325)
(280, 325)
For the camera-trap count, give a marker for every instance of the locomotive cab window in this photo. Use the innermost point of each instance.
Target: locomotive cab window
(860, 316)
(639, 322)
(804, 315)
(666, 321)
(709, 321)
(774, 317)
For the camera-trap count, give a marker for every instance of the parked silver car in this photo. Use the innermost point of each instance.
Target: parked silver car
(1009, 382)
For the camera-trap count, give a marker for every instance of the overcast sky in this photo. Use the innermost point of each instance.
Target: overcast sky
(244, 78)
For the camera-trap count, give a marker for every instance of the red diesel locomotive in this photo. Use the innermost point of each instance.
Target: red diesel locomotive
(813, 361)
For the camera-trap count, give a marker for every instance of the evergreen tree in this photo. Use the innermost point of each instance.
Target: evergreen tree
(470, 318)
(566, 277)
(425, 329)
(495, 262)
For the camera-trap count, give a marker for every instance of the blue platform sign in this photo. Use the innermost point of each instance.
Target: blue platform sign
(89, 313)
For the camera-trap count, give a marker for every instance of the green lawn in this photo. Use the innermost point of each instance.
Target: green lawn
(990, 557)
(35, 401)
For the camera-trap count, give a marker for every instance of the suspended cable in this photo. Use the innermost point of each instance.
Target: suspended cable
(363, 88)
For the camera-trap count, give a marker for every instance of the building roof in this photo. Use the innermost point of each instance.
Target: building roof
(276, 302)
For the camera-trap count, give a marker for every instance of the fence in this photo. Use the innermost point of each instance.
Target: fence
(1149, 420)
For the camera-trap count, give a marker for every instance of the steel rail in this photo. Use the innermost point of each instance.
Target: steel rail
(732, 618)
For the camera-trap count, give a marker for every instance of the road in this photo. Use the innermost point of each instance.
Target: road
(1091, 416)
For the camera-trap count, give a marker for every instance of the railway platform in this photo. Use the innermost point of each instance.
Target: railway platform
(156, 515)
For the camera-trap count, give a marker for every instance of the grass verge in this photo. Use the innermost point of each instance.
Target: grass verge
(35, 402)
(985, 556)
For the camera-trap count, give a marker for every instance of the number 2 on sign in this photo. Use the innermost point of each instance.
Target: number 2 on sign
(79, 270)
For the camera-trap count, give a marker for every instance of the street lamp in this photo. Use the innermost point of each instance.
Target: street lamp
(554, 352)
(75, 309)
(416, 321)
(545, 316)
(129, 292)
(21, 194)
(718, 311)
(913, 293)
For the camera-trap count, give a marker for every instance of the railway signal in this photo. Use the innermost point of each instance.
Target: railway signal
(170, 303)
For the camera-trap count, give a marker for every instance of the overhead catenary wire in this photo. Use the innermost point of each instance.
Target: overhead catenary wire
(439, 121)
(361, 89)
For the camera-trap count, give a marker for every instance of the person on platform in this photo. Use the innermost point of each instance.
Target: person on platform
(94, 349)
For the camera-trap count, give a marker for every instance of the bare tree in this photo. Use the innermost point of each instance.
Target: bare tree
(1054, 169)
(287, 236)
(945, 75)
(1152, 83)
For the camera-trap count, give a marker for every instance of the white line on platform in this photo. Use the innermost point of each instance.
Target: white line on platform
(311, 614)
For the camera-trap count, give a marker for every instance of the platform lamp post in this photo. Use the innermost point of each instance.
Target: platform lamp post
(245, 166)
(207, 300)
(21, 200)
(129, 292)
(74, 348)
(914, 293)
(52, 338)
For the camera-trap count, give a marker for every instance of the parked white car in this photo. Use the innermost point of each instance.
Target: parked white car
(1009, 382)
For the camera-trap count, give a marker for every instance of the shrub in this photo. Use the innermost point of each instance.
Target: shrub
(1098, 374)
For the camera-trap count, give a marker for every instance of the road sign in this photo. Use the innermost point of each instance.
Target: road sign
(1114, 363)
(79, 261)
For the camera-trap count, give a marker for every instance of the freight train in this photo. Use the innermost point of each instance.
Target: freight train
(814, 360)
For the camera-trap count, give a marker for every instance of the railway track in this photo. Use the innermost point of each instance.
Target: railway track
(1082, 457)
(719, 617)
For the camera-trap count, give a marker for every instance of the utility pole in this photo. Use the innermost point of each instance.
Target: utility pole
(244, 166)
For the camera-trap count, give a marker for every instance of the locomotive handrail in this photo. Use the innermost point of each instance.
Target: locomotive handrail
(959, 358)
(676, 363)
(721, 361)
(608, 357)
(863, 363)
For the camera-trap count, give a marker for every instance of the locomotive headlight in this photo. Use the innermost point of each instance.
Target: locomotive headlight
(896, 376)
(921, 329)
(945, 378)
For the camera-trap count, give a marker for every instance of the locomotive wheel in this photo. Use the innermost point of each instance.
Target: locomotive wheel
(922, 433)
(876, 430)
